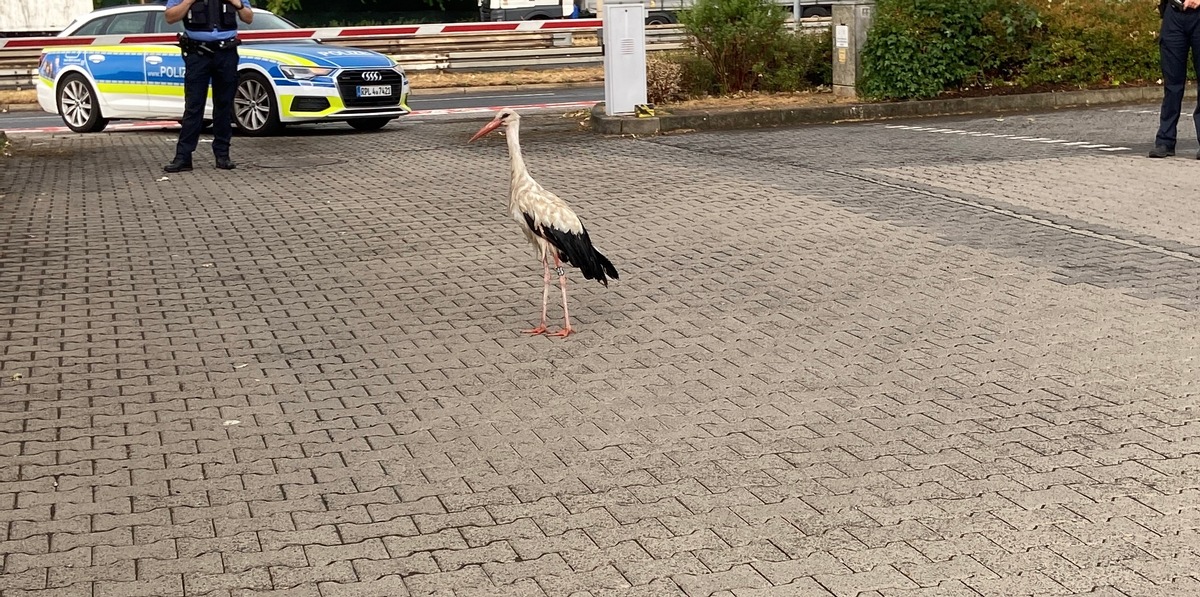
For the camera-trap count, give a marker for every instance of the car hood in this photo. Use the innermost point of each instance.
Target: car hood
(323, 54)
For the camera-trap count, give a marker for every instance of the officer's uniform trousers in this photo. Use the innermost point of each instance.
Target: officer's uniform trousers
(1180, 33)
(220, 68)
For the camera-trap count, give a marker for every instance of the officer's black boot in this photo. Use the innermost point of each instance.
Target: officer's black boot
(179, 164)
(224, 163)
(1162, 151)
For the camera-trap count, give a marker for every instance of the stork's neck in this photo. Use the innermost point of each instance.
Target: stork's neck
(516, 162)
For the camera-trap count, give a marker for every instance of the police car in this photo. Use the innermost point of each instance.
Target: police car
(279, 83)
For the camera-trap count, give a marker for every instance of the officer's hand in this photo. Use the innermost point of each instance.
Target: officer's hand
(1189, 4)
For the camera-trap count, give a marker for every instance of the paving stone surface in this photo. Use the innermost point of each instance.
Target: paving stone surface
(843, 360)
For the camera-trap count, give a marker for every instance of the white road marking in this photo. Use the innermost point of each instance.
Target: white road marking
(1046, 140)
(503, 96)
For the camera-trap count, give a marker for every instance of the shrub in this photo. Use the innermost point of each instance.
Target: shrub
(1011, 29)
(739, 38)
(664, 80)
(800, 61)
(918, 48)
(1093, 42)
(678, 75)
(699, 78)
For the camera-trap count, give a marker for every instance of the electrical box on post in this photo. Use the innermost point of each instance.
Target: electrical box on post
(624, 35)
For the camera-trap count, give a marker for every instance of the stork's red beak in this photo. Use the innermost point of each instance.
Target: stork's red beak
(487, 128)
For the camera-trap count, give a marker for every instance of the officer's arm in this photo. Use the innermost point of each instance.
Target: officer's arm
(245, 13)
(174, 14)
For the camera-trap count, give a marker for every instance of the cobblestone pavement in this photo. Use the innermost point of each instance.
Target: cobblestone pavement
(883, 359)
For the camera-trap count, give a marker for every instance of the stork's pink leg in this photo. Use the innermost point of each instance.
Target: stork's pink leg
(562, 282)
(541, 329)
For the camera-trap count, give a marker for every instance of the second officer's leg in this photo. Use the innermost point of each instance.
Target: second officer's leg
(1173, 49)
(225, 77)
(1193, 37)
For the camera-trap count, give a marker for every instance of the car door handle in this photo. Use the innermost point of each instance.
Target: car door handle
(154, 60)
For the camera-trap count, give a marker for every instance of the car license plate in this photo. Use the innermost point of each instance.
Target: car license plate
(374, 90)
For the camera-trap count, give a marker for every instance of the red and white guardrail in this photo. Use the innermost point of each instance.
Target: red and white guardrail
(321, 33)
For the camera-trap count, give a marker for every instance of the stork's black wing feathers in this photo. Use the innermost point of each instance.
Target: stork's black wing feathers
(577, 250)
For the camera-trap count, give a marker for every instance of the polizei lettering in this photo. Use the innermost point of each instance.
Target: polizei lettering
(169, 72)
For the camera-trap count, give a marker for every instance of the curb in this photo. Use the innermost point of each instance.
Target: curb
(18, 108)
(716, 119)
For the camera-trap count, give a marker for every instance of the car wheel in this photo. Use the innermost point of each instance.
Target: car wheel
(369, 124)
(658, 19)
(254, 107)
(816, 11)
(78, 105)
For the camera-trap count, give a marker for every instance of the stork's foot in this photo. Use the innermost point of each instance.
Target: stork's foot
(563, 333)
(541, 329)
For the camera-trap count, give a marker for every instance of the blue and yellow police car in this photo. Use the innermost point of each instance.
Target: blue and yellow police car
(279, 82)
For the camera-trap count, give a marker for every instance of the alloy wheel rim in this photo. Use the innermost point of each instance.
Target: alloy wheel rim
(76, 103)
(252, 105)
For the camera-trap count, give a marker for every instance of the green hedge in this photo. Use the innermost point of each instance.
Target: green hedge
(922, 48)
(744, 46)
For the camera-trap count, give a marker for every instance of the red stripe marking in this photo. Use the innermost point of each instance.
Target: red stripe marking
(571, 24)
(278, 34)
(475, 27)
(46, 42)
(35, 42)
(148, 39)
(363, 31)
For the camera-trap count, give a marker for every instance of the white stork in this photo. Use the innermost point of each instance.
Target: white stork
(548, 223)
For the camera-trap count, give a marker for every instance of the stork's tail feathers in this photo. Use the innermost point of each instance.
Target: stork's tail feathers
(606, 266)
(577, 250)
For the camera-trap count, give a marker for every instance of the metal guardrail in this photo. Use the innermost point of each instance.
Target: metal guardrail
(447, 52)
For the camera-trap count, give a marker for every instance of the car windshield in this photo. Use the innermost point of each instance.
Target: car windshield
(266, 20)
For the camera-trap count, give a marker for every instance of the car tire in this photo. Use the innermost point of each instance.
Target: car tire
(78, 105)
(369, 124)
(658, 19)
(255, 110)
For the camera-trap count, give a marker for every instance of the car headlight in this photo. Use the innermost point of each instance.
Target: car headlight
(304, 73)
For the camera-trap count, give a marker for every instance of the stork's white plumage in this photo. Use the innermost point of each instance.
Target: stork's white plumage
(548, 223)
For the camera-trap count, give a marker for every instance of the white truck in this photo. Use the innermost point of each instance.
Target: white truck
(22, 18)
(658, 12)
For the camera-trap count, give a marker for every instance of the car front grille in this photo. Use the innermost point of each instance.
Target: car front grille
(349, 82)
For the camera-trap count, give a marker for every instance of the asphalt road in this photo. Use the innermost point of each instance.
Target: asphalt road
(425, 106)
(949, 357)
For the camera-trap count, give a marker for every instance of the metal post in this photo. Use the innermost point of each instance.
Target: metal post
(851, 22)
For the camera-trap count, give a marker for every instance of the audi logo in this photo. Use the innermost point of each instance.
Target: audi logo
(372, 76)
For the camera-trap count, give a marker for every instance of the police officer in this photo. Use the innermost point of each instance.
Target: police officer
(1180, 32)
(209, 54)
